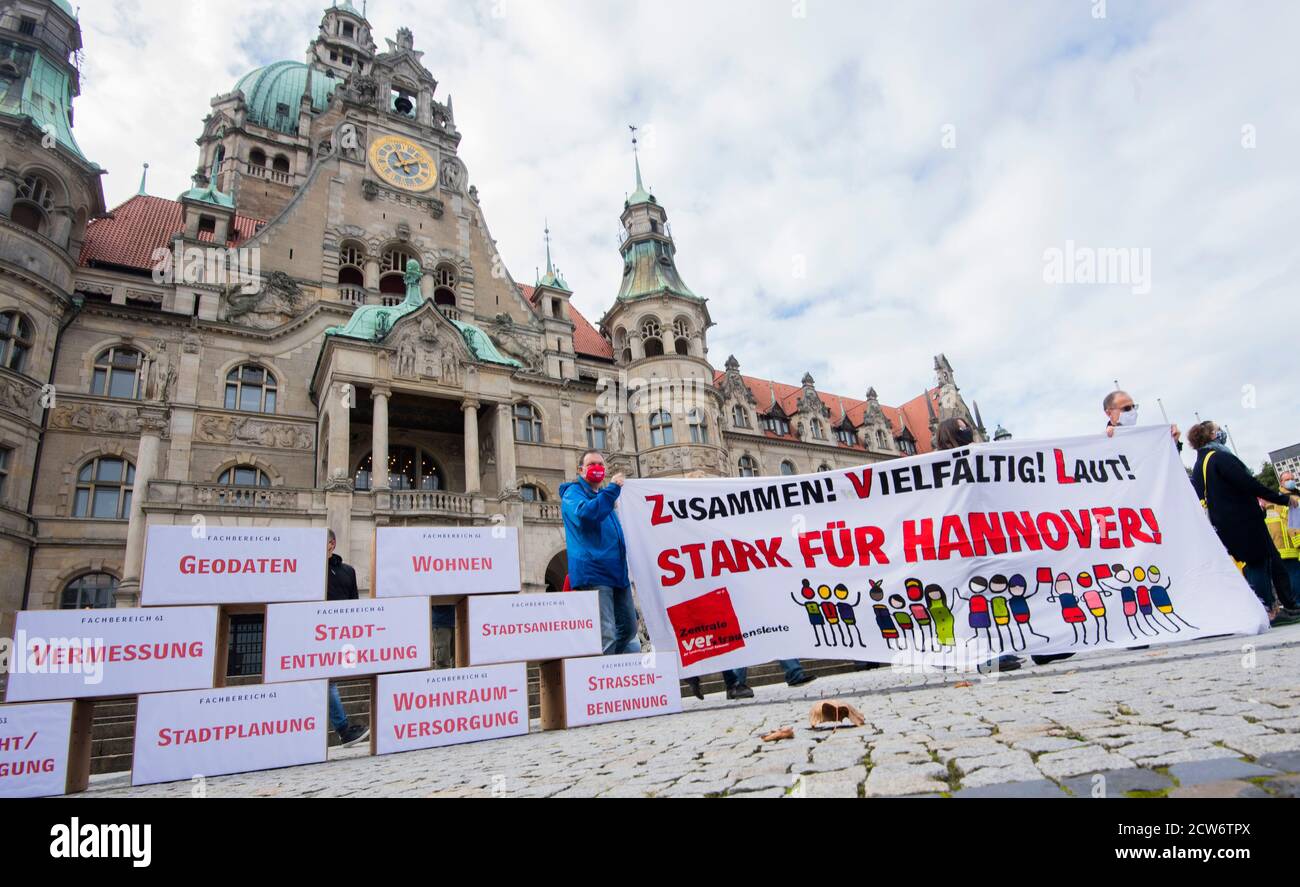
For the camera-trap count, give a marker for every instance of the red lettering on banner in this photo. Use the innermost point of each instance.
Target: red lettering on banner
(919, 537)
(1061, 476)
(659, 515)
(861, 482)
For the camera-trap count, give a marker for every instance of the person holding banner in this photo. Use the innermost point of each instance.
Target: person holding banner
(341, 586)
(1122, 412)
(597, 552)
(1231, 495)
(1286, 538)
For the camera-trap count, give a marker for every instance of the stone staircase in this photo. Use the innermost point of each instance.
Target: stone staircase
(113, 730)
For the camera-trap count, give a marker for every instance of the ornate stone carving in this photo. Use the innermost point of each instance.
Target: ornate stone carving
(426, 352)
(257, 432)
(453, 173)
(277, 300)
(161, 382)
(510, 339)
(96, 418)
(617, 434)
(362, 88)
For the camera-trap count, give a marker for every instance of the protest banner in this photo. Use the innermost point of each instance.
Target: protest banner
(445, 562)
(44, 749)
(527, 627)
(342, 639)
(229, 730)
(233, 565)
(948, 558)
(428, 709)
(82, 654)
(599, 689)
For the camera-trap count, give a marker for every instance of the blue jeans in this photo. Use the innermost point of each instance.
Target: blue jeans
(618, 623)
(1292, 568)
(338, 717)
(793, 671)
(1260, 575)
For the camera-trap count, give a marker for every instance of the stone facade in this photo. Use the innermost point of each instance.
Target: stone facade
(150, 390)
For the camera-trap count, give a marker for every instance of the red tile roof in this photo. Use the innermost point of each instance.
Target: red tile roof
(128, 236)
(912, 415)
(587, 340)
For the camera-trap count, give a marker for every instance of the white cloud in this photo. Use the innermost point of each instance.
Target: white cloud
(771, 137)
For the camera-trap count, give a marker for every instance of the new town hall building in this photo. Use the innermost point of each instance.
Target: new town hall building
(384, 368)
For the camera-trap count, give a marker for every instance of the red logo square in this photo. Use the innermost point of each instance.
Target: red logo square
(706, 626)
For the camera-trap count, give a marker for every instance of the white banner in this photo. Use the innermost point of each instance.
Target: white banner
(533, 627)
(81, 654)
(599, 689)
(446, 561)
(944, 559)
(427, 709)
(34, 745)
(233, 565)
(229, 730)
(346, 639)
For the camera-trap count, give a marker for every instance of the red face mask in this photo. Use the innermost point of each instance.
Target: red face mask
(595, 473)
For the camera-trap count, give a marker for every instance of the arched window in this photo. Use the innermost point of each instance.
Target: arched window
(787, 467)
(444, 282)
(104, 489)
(818, 430)
(650, 337)
(597, 431)
(280, 164)
(352, 263)
(748, 467)
(91, 591)
(528, 423)
(251, 389)
(118, 373)
(661, 429)
(392, 269)
(257, 158)
(681, 336)
(532, 493)
(845, 436)
(34, 201)
(882, 439)
(15, 341)
(739, 417)
(409, 468)
(698, 422)
(244, 476)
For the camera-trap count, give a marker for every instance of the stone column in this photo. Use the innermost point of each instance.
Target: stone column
(372, 274)
(153, 421)
(426, 286)
(638, 346)
(506, 480)
(61, 227)
(473, 481)
(339, 409)
(8, 193)
(379, 439)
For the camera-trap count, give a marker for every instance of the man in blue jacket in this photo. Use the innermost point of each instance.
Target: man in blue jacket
(597, 552)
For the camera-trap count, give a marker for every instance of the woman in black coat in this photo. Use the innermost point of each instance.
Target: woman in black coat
(1233, 498)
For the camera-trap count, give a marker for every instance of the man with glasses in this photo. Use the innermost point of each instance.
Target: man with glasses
(1122, 412)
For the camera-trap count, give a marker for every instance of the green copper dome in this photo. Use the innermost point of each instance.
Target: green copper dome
(269, 91)
(66, 7)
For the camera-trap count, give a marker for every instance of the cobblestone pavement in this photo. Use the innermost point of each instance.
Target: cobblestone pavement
(1210, 718)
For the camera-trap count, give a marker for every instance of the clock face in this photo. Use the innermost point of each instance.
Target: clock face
(403, 164)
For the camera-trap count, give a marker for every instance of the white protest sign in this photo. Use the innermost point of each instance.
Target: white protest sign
(229, 730)
(233, 565)
(426, 709)
(533, 627)
(35, 745)
(945, 559)
(81, 654)
(446, 561)
(598, 689)
(338, 639)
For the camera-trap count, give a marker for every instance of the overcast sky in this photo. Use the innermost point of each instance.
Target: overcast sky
(855, 186)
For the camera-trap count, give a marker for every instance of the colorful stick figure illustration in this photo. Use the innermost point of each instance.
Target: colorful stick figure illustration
(1145, 608)
(1092, 600)
(978, 617)
(832, 615)
(1128, 600)
(920, 615)
(1160, 598)
(903, 618)
(848, 613)
(1020, 613)
(884, 619)
(998, 605)
(944, 622)
(1063, 592)
(814, 611)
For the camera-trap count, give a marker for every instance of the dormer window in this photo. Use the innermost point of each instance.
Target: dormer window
(207, 225)
(349, 30)
(845, 436)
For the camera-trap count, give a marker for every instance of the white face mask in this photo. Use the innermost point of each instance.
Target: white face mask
(1129, 419)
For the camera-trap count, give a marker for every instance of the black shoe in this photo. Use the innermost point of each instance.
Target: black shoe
(1002, 663)
(696, 689)
(1282, 619)
(803, 678)
(740, 691)
(353, 734)
(1055, 657)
